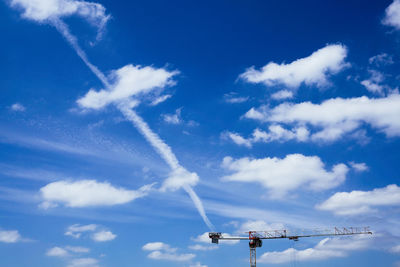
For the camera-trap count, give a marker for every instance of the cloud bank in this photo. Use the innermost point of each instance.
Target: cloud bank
(334, 118)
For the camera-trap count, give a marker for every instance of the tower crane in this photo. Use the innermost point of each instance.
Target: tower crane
(255, 237)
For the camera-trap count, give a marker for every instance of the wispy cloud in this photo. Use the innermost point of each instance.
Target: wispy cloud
(17, 107)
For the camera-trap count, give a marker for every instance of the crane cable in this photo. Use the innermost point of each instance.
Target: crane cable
(294, 255)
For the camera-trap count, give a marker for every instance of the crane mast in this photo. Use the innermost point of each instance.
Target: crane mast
(255, 237)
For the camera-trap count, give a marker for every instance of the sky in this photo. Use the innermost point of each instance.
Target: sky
(131, 129)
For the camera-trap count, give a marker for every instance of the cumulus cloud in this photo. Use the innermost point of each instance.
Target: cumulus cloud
(174, 118)
(12, 236)
(179, 178)
(336, 117)
(359, 167)
(103, 236)
(373, 84)
(84, 262)
(275, 133)
(128, 81)
(392, 15)
(325, 249)
(57, 252)
(76, 230)
(46, 11)
(162, 251)
(361, 202)
(86, 193)
(283, 94)
(313, 70)
(152, 246)
(17, 107)
(281, 176)
(65, 252)
(237, 139)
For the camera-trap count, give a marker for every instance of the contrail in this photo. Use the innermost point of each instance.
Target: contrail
(155, 141)
(166, 153)
(72, 40)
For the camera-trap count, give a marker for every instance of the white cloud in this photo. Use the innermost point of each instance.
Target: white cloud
(76, 230)
(325, 249)
(373, 84)
(381, 59)
(84, 262)
(173, 118)
(359, 167)
(162, 251)
(179, 178)
(103, 236)
(395, 249)
(17, 107)
(57, 252)
(232, 98)
(275, 133)
(392, 15)
(336, 117)
(152, 246)
(311, 70)
(283, 94)
(361, 202)
(237, 139)
(45, 11)
(128, 81)
(86, 193)
(281, 176)
(259, 225)
(10, 236)
(204, 238)
(160, 99)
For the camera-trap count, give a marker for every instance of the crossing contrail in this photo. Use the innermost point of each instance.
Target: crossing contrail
(152, 138)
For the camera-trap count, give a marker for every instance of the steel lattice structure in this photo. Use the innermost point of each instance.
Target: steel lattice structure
(255, 237)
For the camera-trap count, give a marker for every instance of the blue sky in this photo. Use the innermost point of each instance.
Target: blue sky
(130, 130)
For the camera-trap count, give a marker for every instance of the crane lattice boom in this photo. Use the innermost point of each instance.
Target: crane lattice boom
(255, 237)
